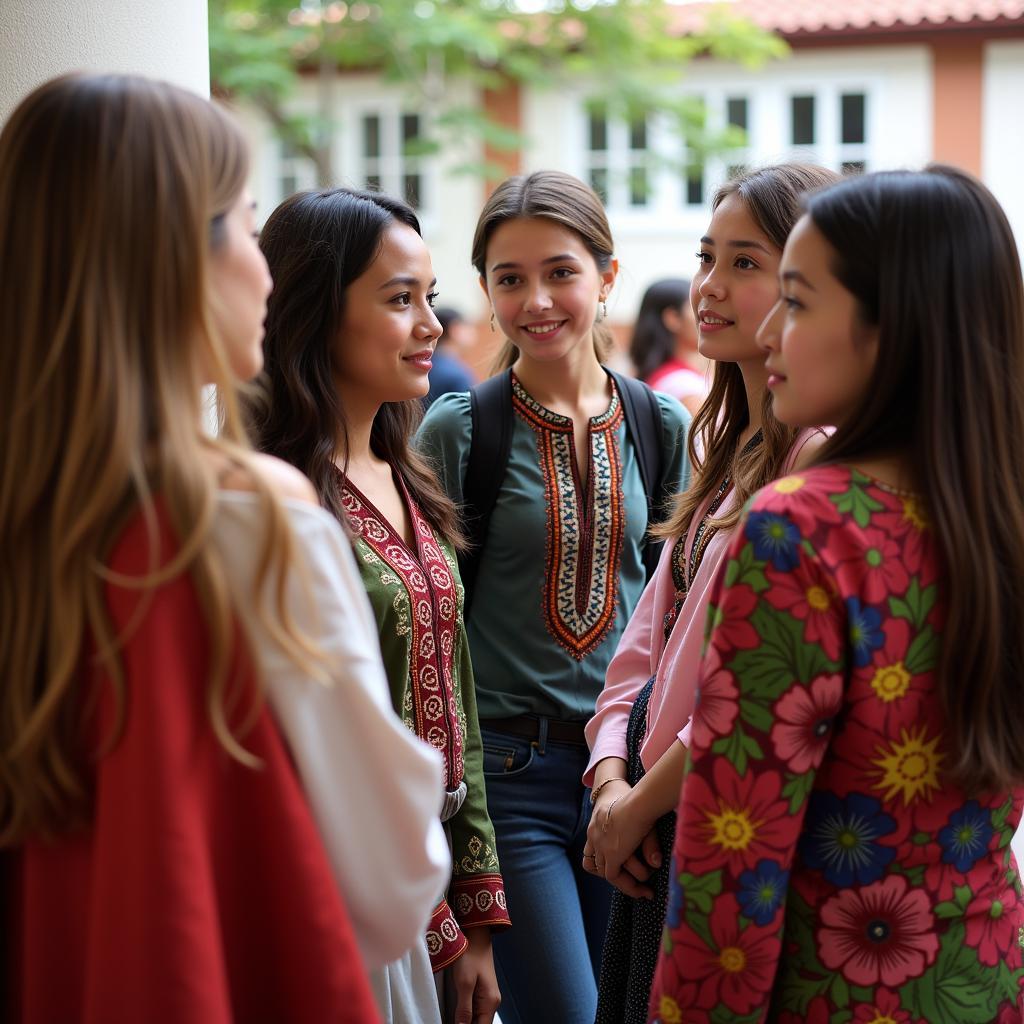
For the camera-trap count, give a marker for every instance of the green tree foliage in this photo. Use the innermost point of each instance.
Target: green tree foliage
(622, 49)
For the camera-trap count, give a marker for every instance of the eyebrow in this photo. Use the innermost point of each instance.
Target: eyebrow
(795, 275)
(739, 243)
(551, 259)
(410, 281)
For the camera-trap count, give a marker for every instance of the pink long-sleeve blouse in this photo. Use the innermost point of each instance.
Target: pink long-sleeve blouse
(644, 652)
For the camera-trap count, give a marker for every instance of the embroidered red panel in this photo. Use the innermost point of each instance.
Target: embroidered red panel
(585, 526)
(433, 603)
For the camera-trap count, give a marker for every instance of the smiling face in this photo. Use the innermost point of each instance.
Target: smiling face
(545, 286)
(239, 286)
(820, 354)
(388, 329)
(735, 284)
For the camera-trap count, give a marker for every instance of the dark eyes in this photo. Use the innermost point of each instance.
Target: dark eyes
(740, 263)
(559, 274)
(405, 299)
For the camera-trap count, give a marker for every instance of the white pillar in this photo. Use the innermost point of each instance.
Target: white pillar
(159, 38)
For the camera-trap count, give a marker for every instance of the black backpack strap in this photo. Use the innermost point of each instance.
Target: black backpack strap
(645, 425)
(491, 410)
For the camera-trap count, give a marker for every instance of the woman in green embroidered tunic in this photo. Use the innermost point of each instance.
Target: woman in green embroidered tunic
(350, 333)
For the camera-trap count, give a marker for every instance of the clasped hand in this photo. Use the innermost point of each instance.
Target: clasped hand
(622, 844)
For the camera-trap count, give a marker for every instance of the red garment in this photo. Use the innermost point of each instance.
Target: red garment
(200, 892)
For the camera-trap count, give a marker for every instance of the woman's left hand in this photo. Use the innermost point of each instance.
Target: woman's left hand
(476, 985)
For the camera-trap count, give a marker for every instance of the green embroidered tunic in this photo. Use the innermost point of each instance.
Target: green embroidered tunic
(416, 598)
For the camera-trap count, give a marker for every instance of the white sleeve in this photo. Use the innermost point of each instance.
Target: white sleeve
(374, 788)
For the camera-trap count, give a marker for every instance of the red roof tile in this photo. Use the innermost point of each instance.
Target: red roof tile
(801, 18)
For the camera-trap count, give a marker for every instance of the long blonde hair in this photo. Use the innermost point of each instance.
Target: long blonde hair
(772, 196)
(113, 193)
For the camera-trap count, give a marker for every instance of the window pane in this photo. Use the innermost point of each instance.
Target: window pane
(695, 187)
(373, 182)
(736, 112)
(598, 132)
(638, 134)
(638, 186)
(411, 189)
(371, 136)
(410, 127)
(803, 120)
(852, 117)
(599, 182)
(854, 167)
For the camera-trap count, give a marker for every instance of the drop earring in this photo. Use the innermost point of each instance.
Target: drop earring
(602, 311)
(492, 321)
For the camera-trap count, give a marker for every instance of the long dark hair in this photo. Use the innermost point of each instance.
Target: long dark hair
(556, 196)
(932, 263)
(653, 344)
(772, 197)
(316, 244)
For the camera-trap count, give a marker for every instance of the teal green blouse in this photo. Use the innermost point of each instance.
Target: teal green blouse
(561, 569)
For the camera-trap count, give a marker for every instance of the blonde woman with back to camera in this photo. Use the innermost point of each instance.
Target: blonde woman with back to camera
(191, 678)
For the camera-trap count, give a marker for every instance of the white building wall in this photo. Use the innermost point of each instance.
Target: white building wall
(452, 200)
(661, 240)
(40, 39)
(1002, 156)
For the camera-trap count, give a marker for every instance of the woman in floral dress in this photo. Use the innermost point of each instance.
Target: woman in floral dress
(857, 753)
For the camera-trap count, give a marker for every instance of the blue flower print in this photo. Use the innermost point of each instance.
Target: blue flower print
(762, 891)
(676, 898)
(775, 538)
(866, 634)
(965, 839)
(840, 838)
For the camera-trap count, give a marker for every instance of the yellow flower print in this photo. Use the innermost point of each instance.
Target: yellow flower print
(891, 682)
(669, 1011)
(910, 767)
(732, 959)
(913, 513)
(817, 598)
(882, 1018)
(732, 829)
(789, 484)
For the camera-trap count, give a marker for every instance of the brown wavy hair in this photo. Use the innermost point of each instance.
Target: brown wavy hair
(932, 263)
(316, 244)
(772, 197)
(559, 197)
(113, 193)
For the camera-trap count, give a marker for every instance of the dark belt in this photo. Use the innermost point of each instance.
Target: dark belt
(528, 728)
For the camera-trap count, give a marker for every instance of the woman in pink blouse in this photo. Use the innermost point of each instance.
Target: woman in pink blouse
(638, 735)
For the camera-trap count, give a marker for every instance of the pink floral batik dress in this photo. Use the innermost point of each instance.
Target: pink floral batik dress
(826, 868)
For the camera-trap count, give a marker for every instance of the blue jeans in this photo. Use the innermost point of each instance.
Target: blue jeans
(547, 963)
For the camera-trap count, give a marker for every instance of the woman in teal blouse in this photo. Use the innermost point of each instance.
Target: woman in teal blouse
(560, 570)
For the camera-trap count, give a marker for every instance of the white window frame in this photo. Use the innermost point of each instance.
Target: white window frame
(769, 132)
(391, 166)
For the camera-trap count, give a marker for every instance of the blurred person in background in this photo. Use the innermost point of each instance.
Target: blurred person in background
(663, 348)
(449, 372)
